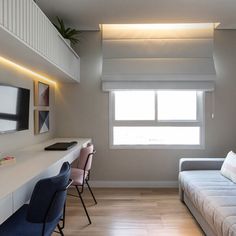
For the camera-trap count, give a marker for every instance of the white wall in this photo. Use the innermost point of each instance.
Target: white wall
(13, 141)
(82, 111)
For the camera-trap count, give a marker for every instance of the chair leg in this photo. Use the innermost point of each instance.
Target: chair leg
(64, 217)
(90, 190)
(82, 201)
(60, 230)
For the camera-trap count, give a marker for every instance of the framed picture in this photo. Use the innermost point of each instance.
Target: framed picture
(41, 94)
(41, 121)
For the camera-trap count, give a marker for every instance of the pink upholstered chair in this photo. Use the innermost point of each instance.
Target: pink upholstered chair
(80, 175)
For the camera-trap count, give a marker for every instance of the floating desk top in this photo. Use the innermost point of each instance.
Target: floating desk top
(32, 163)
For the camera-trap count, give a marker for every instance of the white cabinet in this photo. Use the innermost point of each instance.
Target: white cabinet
(39, 45)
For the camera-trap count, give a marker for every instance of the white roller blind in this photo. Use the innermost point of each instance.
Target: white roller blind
(158, 55)
(157, 48)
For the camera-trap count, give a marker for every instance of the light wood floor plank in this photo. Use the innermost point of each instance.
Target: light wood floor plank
(130, 212)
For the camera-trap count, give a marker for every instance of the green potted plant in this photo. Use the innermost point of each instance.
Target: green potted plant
(68, 33)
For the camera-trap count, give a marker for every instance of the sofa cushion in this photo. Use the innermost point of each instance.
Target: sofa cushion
(215, 198)
(228, 168)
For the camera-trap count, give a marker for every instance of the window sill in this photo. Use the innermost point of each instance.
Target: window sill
(171, 147)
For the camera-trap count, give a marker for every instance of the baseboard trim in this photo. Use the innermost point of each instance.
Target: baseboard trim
(133, 184)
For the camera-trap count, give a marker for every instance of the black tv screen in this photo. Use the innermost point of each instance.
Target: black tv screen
(14, 108)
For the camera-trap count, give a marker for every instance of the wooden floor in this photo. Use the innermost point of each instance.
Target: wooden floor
(130, 212)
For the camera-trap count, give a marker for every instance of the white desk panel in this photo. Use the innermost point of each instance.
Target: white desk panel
(32, 164)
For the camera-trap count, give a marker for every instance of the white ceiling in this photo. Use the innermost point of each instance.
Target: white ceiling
(88, 14)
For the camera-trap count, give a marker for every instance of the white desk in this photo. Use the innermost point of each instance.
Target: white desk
(32, 164)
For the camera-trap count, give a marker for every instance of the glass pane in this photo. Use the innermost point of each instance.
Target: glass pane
(156, 135)
(135, 105)
(177, 105)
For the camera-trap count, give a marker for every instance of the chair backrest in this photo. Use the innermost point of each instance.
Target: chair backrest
(48, 198)
(86, 157)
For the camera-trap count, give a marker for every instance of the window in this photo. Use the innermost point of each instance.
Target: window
(159, 119)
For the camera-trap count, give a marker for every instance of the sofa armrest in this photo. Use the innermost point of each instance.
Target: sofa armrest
(186, 164)
(200, 164)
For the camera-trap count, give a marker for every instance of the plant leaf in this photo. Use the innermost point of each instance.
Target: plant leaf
(67, 33)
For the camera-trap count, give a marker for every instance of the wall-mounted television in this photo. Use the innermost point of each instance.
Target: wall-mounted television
(14, 108)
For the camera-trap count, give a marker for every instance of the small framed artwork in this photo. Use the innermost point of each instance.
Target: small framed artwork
(41, 94)
(41, 121)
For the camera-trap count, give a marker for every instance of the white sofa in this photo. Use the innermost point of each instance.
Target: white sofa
(210, 197)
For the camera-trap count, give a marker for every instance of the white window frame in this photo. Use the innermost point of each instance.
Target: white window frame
(199, 122)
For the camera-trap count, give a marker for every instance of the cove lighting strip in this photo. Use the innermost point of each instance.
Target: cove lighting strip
(25, 70)
(167, 26)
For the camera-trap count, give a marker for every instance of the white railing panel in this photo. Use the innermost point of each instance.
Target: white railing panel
(28, 23)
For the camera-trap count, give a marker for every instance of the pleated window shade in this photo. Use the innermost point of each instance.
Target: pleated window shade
(158, 57)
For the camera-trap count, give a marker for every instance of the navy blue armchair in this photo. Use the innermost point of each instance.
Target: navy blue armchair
(45, 210)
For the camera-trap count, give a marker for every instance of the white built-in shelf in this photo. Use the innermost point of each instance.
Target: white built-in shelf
(29, 38)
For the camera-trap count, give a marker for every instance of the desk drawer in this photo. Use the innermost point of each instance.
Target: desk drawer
(23, 194)
(52, 170)
(6, 206)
